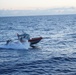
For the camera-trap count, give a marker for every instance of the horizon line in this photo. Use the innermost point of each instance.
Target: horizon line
(38, 15)
(40, 8)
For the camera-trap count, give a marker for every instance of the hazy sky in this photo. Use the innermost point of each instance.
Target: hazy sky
(36, 5)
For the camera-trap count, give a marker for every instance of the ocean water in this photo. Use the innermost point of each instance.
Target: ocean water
(54, 55)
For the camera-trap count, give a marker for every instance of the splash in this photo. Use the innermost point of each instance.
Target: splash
(16, 45)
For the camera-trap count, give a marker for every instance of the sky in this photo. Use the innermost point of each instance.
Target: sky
(36, 7)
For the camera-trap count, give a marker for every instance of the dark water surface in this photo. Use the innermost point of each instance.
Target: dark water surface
(54, 55)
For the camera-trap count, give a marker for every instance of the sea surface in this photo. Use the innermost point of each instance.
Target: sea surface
(54, 55)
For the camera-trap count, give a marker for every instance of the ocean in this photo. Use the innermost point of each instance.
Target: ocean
(55, 54)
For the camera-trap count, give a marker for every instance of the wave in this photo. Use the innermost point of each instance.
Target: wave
(16, 45)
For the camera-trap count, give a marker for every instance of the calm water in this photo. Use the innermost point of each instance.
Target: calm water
(54, 55)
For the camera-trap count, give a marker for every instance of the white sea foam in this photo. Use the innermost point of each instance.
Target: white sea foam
(16, 45)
